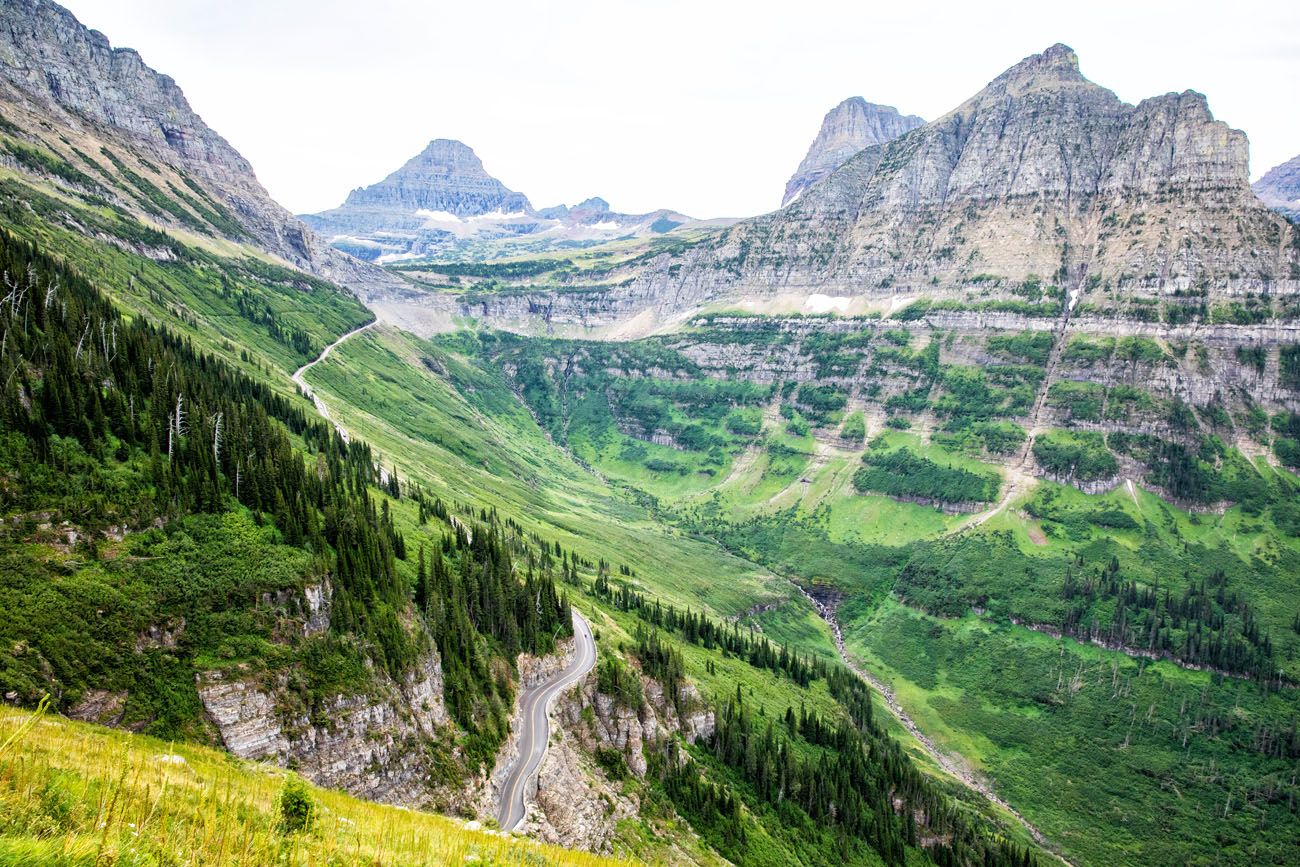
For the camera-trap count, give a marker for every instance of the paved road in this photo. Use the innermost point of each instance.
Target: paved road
(307, 389)
(536, 731)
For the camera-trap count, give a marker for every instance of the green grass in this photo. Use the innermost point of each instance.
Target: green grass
(1088, 743)
(75, 794)
(460, 431)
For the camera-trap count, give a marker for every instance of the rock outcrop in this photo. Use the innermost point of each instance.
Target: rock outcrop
(1041, 177)
(373, 744)
(1280, 188)
(576, 803)
(849, 127)
(65, 88)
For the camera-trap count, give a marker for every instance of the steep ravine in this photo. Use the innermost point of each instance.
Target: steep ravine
(953, 767)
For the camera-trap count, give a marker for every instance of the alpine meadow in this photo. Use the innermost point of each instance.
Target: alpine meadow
(947, 515)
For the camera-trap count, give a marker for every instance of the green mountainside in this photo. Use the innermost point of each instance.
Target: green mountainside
(988, 576)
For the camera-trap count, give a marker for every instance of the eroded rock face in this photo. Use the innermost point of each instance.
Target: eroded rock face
(374, 744)
(371, 745)
(1280, 188)
(1042, 174)
(56, 74)
(849, 127)
(576, 804)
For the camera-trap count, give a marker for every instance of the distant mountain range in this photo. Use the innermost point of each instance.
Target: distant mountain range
(443, 202)
(1280, 188)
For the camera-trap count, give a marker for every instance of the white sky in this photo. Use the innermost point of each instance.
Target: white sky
(700, 105)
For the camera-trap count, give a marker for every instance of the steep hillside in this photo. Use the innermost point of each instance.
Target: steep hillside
(849, 127)
(59, 775)
(95, 120)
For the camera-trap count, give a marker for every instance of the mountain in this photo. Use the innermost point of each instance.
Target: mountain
(849, 127)
(889, 559)
(1042, 176)
(103, 111)
(1280, 188)
(443, 185)
(443, 202)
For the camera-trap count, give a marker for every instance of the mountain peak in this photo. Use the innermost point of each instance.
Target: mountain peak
(447, 176)
(849, 127)
(1280, 188)
(1059, 59)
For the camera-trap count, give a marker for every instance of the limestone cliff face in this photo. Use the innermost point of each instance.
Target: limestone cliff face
(372, 744)
(1042, 172)
(849, 127)
(64, 86)
(1280, 188)
(576, 804)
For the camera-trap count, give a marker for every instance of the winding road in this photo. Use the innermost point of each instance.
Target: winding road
(301, 382)
(536, 732)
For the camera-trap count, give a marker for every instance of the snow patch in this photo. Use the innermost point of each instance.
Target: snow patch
(437, 216)
(818, 303)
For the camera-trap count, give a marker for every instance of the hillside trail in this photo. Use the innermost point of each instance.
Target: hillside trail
(300, 374)
(952, 766)
(1019, 474)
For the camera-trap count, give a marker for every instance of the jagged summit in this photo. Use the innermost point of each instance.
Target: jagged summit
(1280, 188)
(1040, 173)
(446, 176)
(849, 127)
(1057, 64)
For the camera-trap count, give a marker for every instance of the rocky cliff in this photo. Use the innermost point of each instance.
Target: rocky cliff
(375, 744)
(1280, 188)
(1043, 177)
(64, 89)
(849, 127)
(577, 804)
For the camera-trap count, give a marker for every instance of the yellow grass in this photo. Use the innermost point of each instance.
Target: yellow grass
(76, 794)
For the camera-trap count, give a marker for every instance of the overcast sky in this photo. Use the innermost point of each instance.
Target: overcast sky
(706, 107)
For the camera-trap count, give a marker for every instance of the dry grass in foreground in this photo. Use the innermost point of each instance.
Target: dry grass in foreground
(76, 794)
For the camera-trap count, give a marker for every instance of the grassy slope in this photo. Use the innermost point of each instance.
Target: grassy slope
(1064, 755)
(195, 291)
(459, 430)
(74, 794)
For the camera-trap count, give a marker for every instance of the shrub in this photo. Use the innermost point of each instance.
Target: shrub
(855, 428)
(296, 806)
(1032, 346)
(1083, 456)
